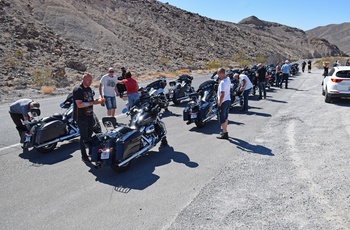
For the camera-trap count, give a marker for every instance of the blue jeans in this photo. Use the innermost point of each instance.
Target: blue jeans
(132, 98)
(245, 98)
(223, 112)
(110, 102)
(277, 79)
(262, 88)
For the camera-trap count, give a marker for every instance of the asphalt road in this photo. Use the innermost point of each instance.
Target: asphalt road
(285, 166)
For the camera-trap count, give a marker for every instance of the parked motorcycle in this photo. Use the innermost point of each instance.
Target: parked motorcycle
(294, 69)
(44, 134)
(203, 104)
(180, 89)
(122, 143)
(159, 84)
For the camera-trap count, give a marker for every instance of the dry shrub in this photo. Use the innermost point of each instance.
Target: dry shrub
(183, 71)
(47, 89)
(157, 75)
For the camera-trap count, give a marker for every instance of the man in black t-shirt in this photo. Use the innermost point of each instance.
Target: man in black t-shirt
(83, 112)
(261, 75)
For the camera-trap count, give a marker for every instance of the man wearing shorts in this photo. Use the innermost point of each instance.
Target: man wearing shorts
(109, 82)
(223, 102)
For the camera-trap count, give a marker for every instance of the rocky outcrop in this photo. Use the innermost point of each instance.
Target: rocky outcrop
(48, 42)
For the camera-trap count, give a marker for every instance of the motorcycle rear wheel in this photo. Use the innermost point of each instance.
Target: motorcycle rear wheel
(47, 148)
(199, 123)
(123, 168)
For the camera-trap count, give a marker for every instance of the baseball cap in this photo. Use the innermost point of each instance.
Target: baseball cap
(286, 61)
(35, 105)
(110, 70)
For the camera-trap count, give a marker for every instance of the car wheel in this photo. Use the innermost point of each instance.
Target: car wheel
(327, 98)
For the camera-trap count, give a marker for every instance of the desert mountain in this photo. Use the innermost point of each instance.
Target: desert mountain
(50, 42)
(338, 34)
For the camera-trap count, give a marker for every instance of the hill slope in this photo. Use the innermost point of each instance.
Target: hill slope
(338, 34)
(49, 42)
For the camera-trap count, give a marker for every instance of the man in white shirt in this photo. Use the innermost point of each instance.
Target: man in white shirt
(245, 85)
(223, 102)
(109, 83)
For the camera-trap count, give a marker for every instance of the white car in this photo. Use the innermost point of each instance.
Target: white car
(337, 83)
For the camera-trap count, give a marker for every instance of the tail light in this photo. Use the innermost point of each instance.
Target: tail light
(105, 150)
(336, 80)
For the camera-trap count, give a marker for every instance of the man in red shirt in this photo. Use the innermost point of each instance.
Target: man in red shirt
(132, 89)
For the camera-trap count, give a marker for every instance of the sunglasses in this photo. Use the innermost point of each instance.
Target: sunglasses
(111, 71)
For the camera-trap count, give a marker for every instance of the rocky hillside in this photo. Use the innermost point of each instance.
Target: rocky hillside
(50, 42)
(338, 34)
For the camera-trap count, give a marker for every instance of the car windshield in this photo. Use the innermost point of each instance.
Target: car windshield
(343, 74)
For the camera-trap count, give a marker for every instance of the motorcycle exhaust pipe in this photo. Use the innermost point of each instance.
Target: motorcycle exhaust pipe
(208, 118)
(58, 140)
(135, 155)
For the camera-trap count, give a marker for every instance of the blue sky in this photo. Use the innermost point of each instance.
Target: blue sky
(302, 14)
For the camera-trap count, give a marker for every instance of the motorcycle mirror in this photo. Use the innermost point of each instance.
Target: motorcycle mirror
(35, 112)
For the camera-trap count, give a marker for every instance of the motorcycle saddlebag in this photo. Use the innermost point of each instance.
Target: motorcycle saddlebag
(50, 131)
(129, 143)
(185, 114)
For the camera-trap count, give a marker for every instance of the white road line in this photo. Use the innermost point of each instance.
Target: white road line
(10, 146)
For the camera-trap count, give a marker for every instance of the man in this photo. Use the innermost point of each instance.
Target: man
(224, 99)
(132, 89)
(19, 112)
(261, 75)
(83, 112)
(245, 85)
(109, 82)
(278, 74)
(285, 74)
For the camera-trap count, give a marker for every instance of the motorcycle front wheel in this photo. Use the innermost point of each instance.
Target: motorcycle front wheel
(175, 100)
(123, 168)
(47, 148)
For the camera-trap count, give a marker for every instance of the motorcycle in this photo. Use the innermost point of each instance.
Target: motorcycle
(44, 134)
(122, 143)
(180, 89)
(203, 104)
(159, 84)
(294, 69)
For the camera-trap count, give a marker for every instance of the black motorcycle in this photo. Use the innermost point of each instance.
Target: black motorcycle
(203, 104)
(180, 89)
(159, 84)
(294, 69)
(122, 143)
(44, 134)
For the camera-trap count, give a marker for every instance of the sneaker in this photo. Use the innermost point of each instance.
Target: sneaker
(223, 136)
(86, 159)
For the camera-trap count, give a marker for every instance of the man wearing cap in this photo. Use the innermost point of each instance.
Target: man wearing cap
(19, 112)
(285, 73)
(109, 82)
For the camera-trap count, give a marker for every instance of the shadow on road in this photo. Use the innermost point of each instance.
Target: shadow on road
(249, 148)
(140, 174)
(61, 153)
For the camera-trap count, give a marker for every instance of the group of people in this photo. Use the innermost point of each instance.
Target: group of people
(303, 64)
(84, 101)
(245, 86)
(83, 104)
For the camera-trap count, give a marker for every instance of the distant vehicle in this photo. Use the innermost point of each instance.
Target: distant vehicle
(337, 83)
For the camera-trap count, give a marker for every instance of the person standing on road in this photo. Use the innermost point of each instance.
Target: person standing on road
(245, 85)
(303, 66)
(19, 112)
(285, 74)
(309, 66)
(278, 74)
(347, 63)
(108, 83)
(132, 89)
(224, 99)
(83, 112)
(261, 75)
(325, 69)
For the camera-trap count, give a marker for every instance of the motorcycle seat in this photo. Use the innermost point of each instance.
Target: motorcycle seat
(56, 116)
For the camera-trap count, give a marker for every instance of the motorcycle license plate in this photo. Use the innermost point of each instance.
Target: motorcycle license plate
(193, 115)
(28, 136)
(104, 155)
